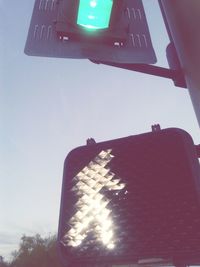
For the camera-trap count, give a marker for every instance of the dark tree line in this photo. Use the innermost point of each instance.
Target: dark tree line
(34, 251)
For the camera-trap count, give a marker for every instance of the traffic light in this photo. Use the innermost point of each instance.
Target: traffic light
(130, 200)
(93, 14)
(100, 30)
(92, 21)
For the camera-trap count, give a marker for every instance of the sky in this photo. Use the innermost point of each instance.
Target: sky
(50, 106)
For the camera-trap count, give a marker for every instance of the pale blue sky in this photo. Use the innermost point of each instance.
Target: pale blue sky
(50, 106)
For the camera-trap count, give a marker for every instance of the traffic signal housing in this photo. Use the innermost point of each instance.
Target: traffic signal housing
(100, 30)
(131, 199)
(92, 21)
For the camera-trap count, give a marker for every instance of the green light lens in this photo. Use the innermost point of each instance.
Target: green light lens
(94, 14)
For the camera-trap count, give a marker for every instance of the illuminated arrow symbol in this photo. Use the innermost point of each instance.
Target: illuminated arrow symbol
(92, 205)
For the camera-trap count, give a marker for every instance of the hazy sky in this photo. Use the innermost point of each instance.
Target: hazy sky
(50, 106)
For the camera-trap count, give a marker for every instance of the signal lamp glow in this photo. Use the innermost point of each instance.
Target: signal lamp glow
(94, 14)
(92, 206)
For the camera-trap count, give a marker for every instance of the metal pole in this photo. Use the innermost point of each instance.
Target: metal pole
(183, 18)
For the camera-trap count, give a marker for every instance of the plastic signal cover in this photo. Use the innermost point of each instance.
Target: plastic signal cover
(94, 14)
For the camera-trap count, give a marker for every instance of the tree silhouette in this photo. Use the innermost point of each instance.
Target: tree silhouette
(35, 251)
(2, 262)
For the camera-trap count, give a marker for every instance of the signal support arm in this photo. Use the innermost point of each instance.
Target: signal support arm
(175, 74)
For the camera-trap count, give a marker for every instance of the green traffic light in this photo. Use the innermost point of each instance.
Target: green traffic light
(94, 14)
